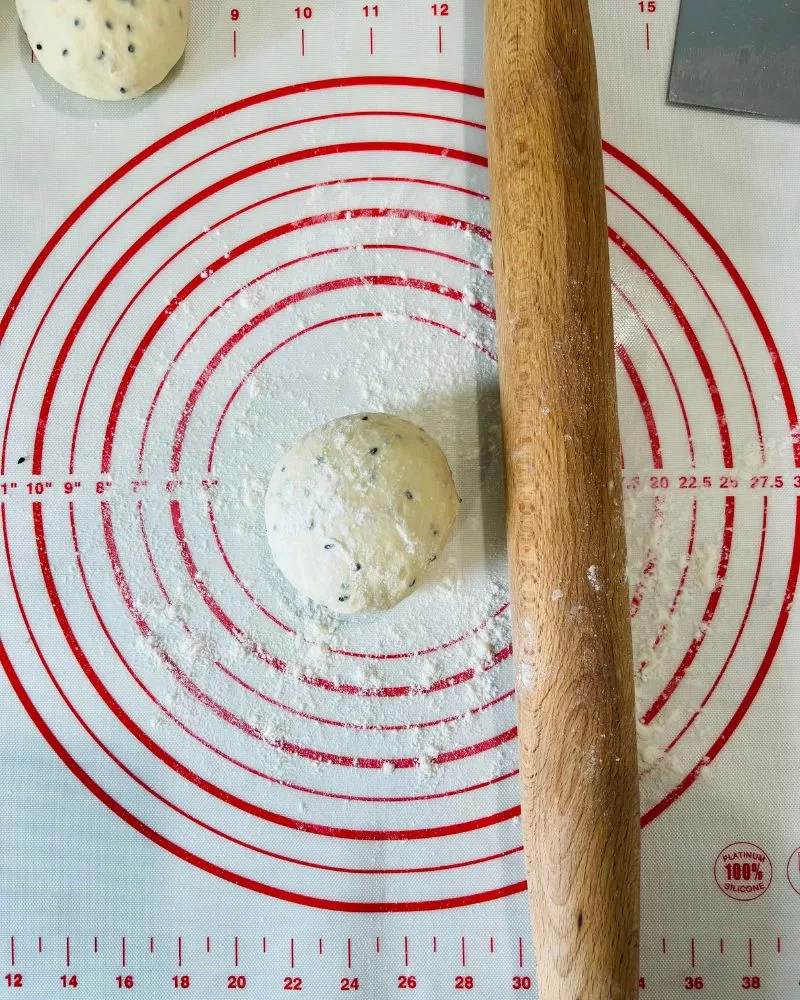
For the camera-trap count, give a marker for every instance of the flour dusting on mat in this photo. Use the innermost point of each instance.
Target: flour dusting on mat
(400, 693)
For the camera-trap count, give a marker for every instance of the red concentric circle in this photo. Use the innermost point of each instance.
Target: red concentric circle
(270, 266)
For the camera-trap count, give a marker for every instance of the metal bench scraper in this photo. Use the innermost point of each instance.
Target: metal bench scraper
(738, 55)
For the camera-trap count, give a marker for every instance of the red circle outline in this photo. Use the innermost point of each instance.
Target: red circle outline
(788, 403)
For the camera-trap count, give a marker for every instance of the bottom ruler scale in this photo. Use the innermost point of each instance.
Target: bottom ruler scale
(374, 967)
(267, 965)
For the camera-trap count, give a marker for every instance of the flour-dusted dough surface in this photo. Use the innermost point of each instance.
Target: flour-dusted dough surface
(358, 509)
(110, 50)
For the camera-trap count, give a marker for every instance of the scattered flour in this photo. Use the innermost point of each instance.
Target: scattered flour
(396, 362)
(593, 576)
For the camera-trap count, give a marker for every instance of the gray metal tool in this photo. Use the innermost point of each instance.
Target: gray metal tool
(738, 55)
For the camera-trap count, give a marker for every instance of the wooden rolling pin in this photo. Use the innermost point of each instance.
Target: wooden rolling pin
(572, 645)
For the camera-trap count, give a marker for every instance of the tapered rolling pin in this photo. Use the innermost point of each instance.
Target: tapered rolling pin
(572, 645)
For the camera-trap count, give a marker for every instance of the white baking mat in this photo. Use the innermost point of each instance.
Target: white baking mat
(209, 786)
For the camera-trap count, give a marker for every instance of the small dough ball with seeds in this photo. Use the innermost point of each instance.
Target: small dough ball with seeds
(110, 50)
(358, 510)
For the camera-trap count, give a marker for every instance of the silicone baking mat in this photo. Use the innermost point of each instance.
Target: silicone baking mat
(207, 785)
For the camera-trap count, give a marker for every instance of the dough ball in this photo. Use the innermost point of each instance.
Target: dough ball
(358, 510)
(111, 50)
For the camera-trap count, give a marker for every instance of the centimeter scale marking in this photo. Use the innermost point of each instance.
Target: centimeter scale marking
(321, 965)
(104, 965)
(729, 482)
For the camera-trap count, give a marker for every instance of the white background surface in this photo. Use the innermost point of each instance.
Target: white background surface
(69, 867)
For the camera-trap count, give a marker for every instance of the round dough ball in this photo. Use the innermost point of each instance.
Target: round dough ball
(110, 50)
(358, 510)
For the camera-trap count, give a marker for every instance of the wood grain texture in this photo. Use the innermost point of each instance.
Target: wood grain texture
(564, 506)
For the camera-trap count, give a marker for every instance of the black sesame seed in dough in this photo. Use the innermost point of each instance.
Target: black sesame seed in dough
(123, 90)
(409, 495)
(432, 559)
(365, 418)
(131, 48)
(39, 46)
(77, 22)
(21, 460)
(357, 567)
(412, 583)
(101, 54)
(434, 531)
(373, 451)
(328, 545)
(65, 52)
(344, 597)
(109, 25)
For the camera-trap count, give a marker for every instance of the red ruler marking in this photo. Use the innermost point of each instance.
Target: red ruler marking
(123, 953)
(463, 951)
(320, 946)
(208, 944)
(234, 43)
(236, 951)
(349, 954)
(440, 39)
(750, 952)
(291, 953)
(302, 41)
(721, 946)
(692, 952)
(491, 946)
(647, 35)
(40, 946)
(405, 949)
(12, 951)
(180, 951)
(520, 953)
(264, 945)
(663, 946)
(96, 945)
(152, 945)
(377, 944)
(371, 43)
(779, 946)
(68, 952)
(434, 944)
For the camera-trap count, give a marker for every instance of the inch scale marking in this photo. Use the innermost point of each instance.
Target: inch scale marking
(647, 481)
